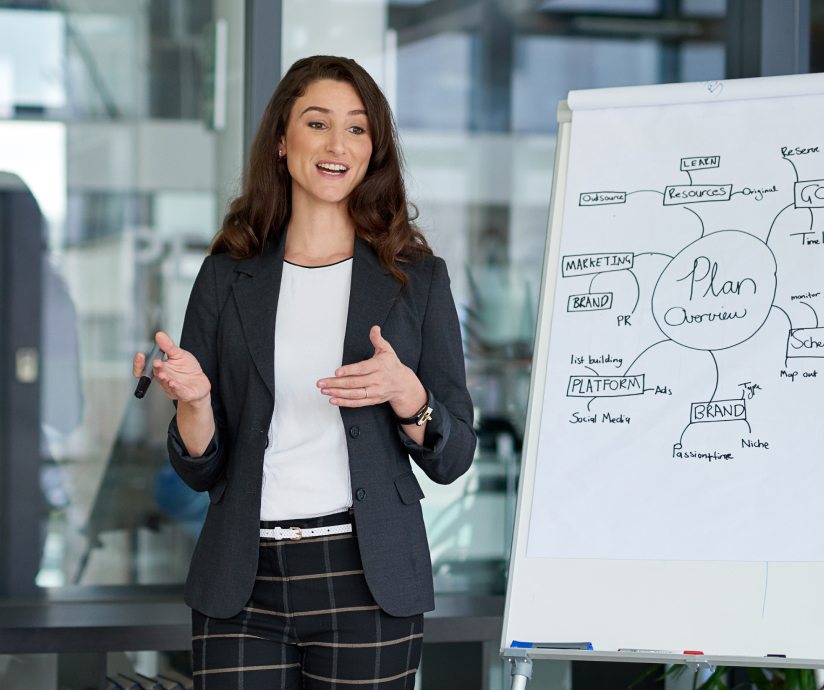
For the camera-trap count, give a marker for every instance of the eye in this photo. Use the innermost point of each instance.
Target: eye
(316, 124)
(357, 130)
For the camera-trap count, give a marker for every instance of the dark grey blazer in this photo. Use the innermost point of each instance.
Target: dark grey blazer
(230, 328)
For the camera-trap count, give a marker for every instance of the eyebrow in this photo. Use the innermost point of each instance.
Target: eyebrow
(326, 111)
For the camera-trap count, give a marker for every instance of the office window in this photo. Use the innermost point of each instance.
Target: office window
(475, 87)
(117, 153)
(125, 128)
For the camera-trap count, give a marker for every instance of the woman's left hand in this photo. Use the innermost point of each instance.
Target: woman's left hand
(379, 379)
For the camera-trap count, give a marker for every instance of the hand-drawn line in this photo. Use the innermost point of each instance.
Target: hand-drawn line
(654, 254)
(637, 290)
(574, 265)
(680, 444)
(812, 219)
(665, 340)
(766, 585)
(786, 358)
(677, 194)
(719, 345)
(590, 301)
(592, 370)
(814, 311)
(637, 287)
(775, 306)
(638, 191)
(700, 220)
(585, 386)
(797, 178)
(591, 400)
(718, 413)
(772, 225)
(689, 175)
(715, 362)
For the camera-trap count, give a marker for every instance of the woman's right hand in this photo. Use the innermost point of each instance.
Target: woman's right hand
(180, 375)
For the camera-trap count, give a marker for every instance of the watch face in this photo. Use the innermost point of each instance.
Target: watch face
(424, 416)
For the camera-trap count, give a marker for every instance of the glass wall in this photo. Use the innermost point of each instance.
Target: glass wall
(475, 86)
(120, 140)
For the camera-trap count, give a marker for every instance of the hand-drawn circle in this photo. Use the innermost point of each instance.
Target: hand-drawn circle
(716, 292)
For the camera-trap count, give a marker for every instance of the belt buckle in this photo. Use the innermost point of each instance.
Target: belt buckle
(299, 533)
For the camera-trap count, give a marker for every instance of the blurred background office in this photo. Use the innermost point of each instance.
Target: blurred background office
(123, 128)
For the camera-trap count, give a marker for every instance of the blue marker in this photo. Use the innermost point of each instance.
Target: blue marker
(551, 645)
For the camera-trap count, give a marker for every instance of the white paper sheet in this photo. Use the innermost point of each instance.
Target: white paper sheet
(682, 417)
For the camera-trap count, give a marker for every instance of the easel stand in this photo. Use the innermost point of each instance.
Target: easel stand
(521, 660)
(521, 670)
(521, 667)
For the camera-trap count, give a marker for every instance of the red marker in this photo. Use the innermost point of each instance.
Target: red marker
(692, 651)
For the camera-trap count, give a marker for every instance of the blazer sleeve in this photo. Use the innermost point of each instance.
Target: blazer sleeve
(449, 442)
(199, 337)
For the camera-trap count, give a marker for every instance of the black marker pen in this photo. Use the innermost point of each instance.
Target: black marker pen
(146, 376)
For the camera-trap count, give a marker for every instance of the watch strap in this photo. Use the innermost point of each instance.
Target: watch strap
(423, 415)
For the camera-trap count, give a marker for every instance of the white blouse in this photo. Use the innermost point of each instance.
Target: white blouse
(306, 463)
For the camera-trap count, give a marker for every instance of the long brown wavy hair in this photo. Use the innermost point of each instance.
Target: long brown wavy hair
(378, 205)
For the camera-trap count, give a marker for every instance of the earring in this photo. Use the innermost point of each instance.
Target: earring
(281, 154)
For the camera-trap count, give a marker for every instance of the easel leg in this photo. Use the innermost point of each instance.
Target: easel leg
(521, 672)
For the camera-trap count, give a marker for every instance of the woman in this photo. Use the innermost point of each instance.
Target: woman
(320, 350)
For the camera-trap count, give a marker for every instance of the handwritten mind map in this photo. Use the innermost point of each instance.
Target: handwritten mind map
(687, 351)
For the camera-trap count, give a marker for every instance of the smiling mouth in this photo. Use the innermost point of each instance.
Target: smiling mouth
(334, 169)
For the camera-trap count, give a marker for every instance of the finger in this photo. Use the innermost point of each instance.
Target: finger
(179, 391)
(362, 393)
(167, 389)
(364, 368)
(173, 389)
(378, 341)
(166, 344)
(138, 363)
(162, 377)
(164, 374)
(348, 402)
(350, 381)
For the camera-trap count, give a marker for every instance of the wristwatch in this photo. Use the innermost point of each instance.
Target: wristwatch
(422, 416)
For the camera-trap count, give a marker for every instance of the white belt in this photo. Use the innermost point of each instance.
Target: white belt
(298, 533)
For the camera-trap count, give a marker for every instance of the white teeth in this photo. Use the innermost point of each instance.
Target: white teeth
(333, 167)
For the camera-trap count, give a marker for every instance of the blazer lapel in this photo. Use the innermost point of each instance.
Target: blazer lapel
(373, 291)
(257, 302)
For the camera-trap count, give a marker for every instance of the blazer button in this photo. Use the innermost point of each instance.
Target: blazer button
(360, 494)
(354, 431)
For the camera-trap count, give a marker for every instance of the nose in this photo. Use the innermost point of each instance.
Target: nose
(334, 141)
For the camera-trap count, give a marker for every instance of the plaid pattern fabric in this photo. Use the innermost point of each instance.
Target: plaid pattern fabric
(310, 623)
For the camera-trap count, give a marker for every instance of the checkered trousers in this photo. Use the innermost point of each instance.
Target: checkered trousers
(311, 623)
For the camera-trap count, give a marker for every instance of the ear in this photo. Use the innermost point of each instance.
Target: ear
(282, 147)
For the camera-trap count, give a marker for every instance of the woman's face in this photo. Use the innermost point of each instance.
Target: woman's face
(327, 143)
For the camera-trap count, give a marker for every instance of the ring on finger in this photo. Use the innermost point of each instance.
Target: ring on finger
(365, 393)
